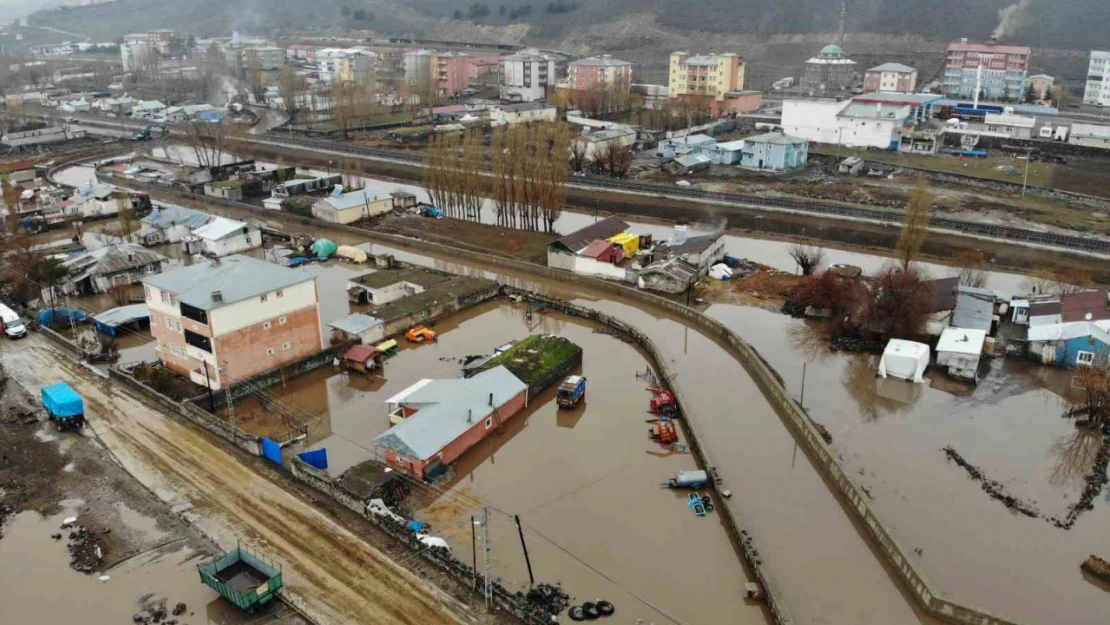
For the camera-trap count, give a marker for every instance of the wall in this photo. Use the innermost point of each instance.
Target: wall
(591, 267)
(236, 243)
(257, 348)
(814, 120)
(253, 310)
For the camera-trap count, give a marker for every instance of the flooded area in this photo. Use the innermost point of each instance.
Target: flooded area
(586, 482)
(889, 435)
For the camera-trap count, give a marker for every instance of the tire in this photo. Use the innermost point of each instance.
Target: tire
(589, 610)
(605, 608)
(575, 613)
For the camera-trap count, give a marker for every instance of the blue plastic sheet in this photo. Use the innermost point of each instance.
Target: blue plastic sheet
(62, 401)
(316, 458)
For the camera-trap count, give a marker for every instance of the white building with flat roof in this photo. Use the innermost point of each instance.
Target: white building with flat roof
(526, 75)
(1097, 91)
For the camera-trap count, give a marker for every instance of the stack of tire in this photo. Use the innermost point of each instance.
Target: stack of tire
(591, 610)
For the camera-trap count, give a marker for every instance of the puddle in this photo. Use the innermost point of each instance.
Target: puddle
(39, 586)
(139, 522)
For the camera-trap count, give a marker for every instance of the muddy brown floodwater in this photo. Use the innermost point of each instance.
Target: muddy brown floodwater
(586, 482)
(889, 435)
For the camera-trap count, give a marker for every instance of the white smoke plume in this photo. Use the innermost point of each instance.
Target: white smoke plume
(1010, 19)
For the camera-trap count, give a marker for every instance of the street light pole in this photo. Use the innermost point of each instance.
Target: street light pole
(1025, 180)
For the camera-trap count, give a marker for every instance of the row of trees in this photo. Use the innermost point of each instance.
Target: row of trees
(526, 174)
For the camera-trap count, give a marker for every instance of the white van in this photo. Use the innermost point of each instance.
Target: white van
(13, 326)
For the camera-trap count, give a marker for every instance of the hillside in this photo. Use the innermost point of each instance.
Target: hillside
(1074, 25)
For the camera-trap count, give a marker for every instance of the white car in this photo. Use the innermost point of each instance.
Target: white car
(15, 329)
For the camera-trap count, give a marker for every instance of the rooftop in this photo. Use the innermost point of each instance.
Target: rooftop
(525, 106)
(579, 239)
(915, 99)
(962, 341)
(608, 134)
(446, 409)
(832, 50)
(219, 228)
(775, 138)
(168, 215)
(235, 278)
(596, 248)
(354, 198)
(453, 289)
(673, 268)
(973, 312)
(356, 323)
(1085, 306)
(385, 277)
(601, 61)
(692, 245)
(861, 110)
(692, 160)
(1066, 331)
(992, 48)
(122, 314)
(532, 359)
(893, 67)
(945, 291)
(110, 259)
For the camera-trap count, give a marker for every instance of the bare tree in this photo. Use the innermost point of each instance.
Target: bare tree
(1069, 281)
(579, 150)
(292, 89)
(899, 303)
(915, 227)
(619, 159)
(255, 78)
(970, 268)
(807, 257)
(1093, 410)
(126, 217)
(210, 141)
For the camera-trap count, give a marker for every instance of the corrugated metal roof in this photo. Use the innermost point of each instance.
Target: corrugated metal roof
(1066, 331)
(944, 293)
(600, 61)
(236, 277)
(219, 228)
(448, 408)
(356, 323)
(123, 314)
(972, 312)
(168, 215)
(1086, 306)
(355, 198)
(674, 268)
(693, 160)
(597, 248)
(111, 259)
(776, 138)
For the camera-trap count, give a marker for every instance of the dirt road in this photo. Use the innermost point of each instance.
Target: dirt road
(339, 577)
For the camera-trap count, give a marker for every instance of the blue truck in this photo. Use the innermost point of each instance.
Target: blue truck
(571, 391)
(63, 405)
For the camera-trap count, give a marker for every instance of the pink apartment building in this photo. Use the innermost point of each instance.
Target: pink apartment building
(223, 321)
(585, 73)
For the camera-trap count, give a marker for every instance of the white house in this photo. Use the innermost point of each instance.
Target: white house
(813, 119)
(170, 224)
(700, 251)
(348, 208)
(1090, 135)
(863, 124)
(221, 237)
(599, 142)
(524, 113)
(526, 75)
(959, 349)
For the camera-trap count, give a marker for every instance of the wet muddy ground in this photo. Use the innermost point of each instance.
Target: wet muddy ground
(126, 553)
(891, 435)
(586, 482)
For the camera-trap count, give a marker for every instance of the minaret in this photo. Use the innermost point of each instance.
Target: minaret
(843, 18)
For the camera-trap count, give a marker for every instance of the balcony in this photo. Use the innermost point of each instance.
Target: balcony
(198, 377)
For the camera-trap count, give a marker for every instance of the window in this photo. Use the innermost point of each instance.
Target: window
(177, 325)
(165, 297)
(146, 292)
(280, 293)
(285, 347)
(173, 300)
(265, 325)
(262, 298)
(198, 341)
(193, 313)
(169, 323)
(281, 320)
(489, 423)
(270, 351)
(1084, 358)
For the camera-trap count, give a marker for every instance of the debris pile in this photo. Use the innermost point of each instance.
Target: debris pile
(85, 553)
(1094, 483)
(154, 611)
(993, 488)
(547, 599)
(856, 344)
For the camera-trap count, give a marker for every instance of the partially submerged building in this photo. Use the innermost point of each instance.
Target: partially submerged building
(441, 419)
(347, 208)
(122, 264)
(170, 224)
(229, 319)
(388, 285)
(222, 237)
(959, 351)
(566, 253)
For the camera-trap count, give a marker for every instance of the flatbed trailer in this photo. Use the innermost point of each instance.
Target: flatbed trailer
(242, 578)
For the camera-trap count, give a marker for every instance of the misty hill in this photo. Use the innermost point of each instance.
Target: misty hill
(1074, 24)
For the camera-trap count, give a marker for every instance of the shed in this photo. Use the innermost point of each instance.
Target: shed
(960, 350)
(364, 358)
(359, 326)
(562, 253)
(692, 162)
(973, 312)
(1019, 312)
(728, 153)
(605, 251)
(852, 165)
(110, 321)
(904, 359)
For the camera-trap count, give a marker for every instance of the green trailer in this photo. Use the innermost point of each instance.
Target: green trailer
(242, 578)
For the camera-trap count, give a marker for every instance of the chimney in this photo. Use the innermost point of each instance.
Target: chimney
(491, 399)
(217, 296)
(470, 416)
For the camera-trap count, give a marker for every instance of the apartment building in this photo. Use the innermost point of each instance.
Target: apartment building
(998, 70)
(585, 73)
(890, 78)
(420, 68)
(708, 74)
(1097, 91)
(223, 321)
(266, 58)
(526, 75)
(454, 71)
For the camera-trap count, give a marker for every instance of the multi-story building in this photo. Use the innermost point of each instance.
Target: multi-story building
(1097, 91)
(829, 72)
(359, 66)
(710, 74)
(267, 58)
(585, 73)
(1040, 86)
(329, 61)
(890, 78)
(420, 68)
(138, 55)
(526, 75)
(997, 71)
(454, 71)
(223, 321)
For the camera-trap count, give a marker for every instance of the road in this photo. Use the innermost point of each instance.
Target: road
(338, 576)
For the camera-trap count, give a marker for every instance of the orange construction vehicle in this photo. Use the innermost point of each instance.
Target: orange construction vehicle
(664, 432)
(419, 334)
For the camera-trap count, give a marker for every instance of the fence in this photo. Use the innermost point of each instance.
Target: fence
(761, 373)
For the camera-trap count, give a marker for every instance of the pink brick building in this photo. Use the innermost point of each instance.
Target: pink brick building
(890, 78)
(223, 321)
(585, 73)
(455, 70)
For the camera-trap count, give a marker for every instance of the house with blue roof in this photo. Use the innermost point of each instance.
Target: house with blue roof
(438, 420)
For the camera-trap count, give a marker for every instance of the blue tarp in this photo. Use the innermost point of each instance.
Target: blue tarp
(316, 458)
(62, 401)
(110, 321)
(416, 526)
(49, 317)
(271, 451)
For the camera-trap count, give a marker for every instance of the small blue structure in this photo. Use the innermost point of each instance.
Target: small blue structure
(1069, 345)
(63, 405)
(110, 321)
(728, 153)
(775, 151)
(317, 458)
(690, 144)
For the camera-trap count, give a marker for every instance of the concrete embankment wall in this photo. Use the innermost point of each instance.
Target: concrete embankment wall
(914, 581)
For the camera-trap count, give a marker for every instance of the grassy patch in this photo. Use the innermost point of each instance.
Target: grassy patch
(534, 357)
